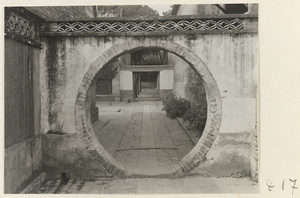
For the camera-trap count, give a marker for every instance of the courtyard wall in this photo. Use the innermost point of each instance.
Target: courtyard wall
(230, 58)
(233, 61)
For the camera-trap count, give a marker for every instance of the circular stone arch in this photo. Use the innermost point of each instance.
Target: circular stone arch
(188, 162)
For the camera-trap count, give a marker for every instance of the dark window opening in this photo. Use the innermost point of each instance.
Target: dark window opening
(104, 87)
(149, 57)
(235, 8)
(148, 77)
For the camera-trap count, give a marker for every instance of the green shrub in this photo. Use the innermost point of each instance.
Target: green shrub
(175, 107)
(196, 115)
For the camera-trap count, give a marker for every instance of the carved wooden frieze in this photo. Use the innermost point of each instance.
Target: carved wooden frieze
(151, 26)
(146, 67)
(21, 28)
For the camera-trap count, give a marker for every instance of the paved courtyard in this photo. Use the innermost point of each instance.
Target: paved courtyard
(141, 135)
(188, 185)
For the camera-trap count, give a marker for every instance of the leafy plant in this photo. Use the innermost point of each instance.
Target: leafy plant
(175, 107)
(196, 115)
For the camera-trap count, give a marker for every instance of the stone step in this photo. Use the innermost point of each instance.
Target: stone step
(147, 99)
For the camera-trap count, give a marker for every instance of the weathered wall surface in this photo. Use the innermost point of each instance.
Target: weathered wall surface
(228, 157)
(180, 75)
(116, 85)
(126, 85)
(187, 84)
(165, 82)
(66, 154)
(230, 58)
(66, 61)
(23, 152)
(126, 80)
(92, 98)
(166, 79)
(23, 163)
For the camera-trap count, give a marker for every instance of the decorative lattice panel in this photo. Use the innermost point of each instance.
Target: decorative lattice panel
(154, 26)
(19, 26)
(146, 67)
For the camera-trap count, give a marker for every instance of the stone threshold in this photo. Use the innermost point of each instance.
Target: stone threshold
(147, 99)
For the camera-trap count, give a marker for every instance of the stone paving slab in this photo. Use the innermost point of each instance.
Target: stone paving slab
(186, 185)
(149, 190)
(142, 127)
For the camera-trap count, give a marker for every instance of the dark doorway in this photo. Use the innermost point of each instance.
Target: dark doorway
(146, 85)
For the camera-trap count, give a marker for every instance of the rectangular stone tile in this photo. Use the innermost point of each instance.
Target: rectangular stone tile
(132, 181)
(234, 185)
(195, 190)
(222, 184)
(148, 159)
(130, 164)
(133, 153)
(155, 181)
(182, 190)
(116, 182)
(164, 159)
(210, 190)
(198, 182)
(147, 136)
(121, 187)
(92, 191)
(147, 140)
(242, 189)
(88, 187)
(128, 191)
(148, 163)
(150, 171)
(161, 153)
(169, 190)
(149, 190)
(164, 164)
(178, 182)
(147, 153)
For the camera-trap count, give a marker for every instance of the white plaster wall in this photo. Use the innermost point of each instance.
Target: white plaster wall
(239, 115)
(232, 60)
(166, 79)
(180, 75)
(116, 85)
(126, 81)
(187, 9)
(79, 53)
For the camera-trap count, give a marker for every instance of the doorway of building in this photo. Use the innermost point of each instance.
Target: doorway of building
(146, 85)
